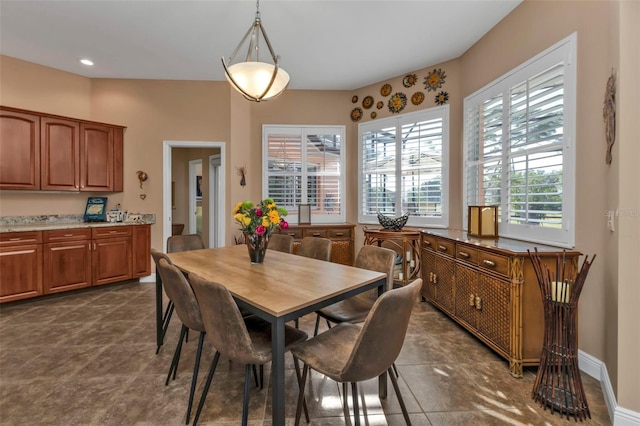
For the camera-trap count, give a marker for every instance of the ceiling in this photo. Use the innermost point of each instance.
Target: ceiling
(323, 44)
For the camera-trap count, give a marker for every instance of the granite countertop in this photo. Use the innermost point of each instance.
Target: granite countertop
(51, 222)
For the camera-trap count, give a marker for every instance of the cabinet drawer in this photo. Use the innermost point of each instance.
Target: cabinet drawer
(467, 254)
(445, 247)
(429, 242)
(112, 231)
(494, 262)
(76, 234)
(20, 238)
(315, 232)
(339, 233)
(296, 233)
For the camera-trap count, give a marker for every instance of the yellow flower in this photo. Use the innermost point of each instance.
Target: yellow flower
(274, 216)
(236, 209)
(265, 221)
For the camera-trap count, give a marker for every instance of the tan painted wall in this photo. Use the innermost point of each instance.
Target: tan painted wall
(155, 111)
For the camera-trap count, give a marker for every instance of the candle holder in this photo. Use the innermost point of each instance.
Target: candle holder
(558, 384)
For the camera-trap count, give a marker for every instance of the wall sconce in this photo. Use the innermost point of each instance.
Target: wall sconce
(483, 221)
(142, 177)
(242, 171)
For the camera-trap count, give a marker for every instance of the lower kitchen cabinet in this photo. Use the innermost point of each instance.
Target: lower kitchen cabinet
(52, 261)
(20, 266)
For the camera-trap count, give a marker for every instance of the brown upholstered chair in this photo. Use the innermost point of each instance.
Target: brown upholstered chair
(166, 317)
(356, 309)
(348, 353)
(281, 242)
(186, 305)
(315, 247)
(247, 340)
(176, 243)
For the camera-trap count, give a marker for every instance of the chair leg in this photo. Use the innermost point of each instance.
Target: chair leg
(194, 379)
(395, 369)
(394, 381)
(303, 381)
(176, 356)
(345, 400)
(165, 323)
(261, 376)
(356, 412)
(296, 364)
(245, 398)
(315, 330)
(255, 375)
(207, 384)
(328, 324)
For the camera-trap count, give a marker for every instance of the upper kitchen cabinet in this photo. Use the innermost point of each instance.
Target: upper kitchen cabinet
(69, 155)
(19, 150)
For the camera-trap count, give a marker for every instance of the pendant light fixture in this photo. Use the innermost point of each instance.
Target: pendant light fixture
(256, 80)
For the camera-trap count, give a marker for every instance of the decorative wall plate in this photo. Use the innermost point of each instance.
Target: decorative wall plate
(442, 98)
(374, 114)
(417, 98)
(380, 104)
(409, 80)
(434, 80)
(397, 102)
(367, 102)
(385, 90)
(354, 99)
(356, 114)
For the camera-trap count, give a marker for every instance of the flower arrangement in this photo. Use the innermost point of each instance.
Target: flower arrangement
(261, 219)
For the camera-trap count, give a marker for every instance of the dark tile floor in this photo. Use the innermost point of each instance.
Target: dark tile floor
(88, 358)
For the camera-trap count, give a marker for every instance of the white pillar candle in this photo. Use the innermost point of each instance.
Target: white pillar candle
(560, 291)
(408, 257)
(400, 276)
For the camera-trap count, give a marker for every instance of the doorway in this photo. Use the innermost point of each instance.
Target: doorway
(216, 217)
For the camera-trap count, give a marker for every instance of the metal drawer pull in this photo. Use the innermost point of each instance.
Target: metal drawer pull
(465, 255)
(339, 234)
(427, 243)
(472, 300)
(316, 234)
(68, 235)
(435, 279)
(489, 263)
(292, 234)
(478, 303)
(442, 248)
(15, 239)
(113, 232)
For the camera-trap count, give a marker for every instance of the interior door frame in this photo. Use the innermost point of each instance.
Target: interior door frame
(218, 226)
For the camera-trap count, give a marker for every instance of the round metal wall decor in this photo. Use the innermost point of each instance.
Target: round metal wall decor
(409, 80)
(367, 102)
(397, 102)
(385, 90)
(356, 114)
(417, 98)
(442, 98)
(434, 80)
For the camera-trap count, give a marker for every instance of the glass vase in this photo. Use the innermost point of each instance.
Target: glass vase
(257, 247)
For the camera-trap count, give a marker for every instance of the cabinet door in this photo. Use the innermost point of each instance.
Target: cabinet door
(67, 266)
(141, 250)
(341, 245)
(96, 157)
(111, 260)
(20, 272)
(494, 320)
(466, 293)
(59, 153)
(19, 150)
(428, 271)
(444, 282)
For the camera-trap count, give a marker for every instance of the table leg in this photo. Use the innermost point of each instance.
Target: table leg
(277, 367)
(159, 332)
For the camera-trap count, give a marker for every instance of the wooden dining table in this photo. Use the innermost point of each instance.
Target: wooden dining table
(283, 288)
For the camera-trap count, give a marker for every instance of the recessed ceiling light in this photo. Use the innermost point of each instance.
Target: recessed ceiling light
(85, 61)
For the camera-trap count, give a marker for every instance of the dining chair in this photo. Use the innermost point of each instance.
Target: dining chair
(176, 243)
(281, 242)
(244, 340)
(315, 247)
(356, 308)
(166, 316)
(186, 306)
(348, 353)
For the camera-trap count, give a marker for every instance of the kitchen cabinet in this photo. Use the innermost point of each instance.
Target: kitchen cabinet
(53, 261)
(49, 152)
(341, 236)
(67, 259)
(20, 265)
(19, 150)
(490, 288)
(111, 257)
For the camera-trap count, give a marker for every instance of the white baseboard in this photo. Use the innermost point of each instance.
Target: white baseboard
(598, 370)
(148, 279)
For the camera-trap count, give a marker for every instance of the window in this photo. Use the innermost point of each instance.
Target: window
(403, 167)
(304, 165)
(520, 149)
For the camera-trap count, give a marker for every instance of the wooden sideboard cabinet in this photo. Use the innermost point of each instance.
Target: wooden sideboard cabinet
(20, 265)
(341, 236)
(53, 261)
(49, 152)
(490, 288)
